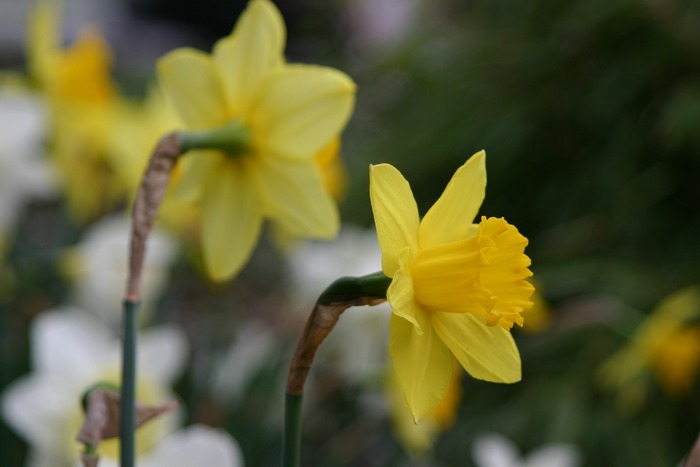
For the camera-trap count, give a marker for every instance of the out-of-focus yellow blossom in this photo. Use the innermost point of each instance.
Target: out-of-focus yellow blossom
(420, 437)
(539, 317)
(457, 287)
(332, 169)
(334, 178)
(283, 114)
(666, 345)
(136, 133)
(84, 103)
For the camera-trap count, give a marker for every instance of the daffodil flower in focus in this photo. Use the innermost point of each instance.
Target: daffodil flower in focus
(419, 439)
(276, 117)
(457, 288)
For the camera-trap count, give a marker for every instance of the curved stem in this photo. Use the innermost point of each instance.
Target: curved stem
(338, 297)
(148, 199)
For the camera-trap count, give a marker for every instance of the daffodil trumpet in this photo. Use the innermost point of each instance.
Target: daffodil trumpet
(338, 297)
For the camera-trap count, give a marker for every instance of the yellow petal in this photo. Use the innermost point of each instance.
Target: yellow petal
(486, 352)
(332, 169)
(293, 195)
(395, 214)
(250, 53)
(422, 362)
(231, 220)
(451, 217)
(301, 109)
(400, 294)
(505, 276)
(194, 173)
(43, 38)
(192, 82)
(81, 73)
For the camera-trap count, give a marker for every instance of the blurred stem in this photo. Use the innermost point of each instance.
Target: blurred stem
(148, 199)
(292, 430)
(338, 297)
(232, 138)
(127, 425)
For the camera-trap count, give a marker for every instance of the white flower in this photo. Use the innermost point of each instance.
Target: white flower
(23, 173)
(494, 450)
(99, 265)
(357, 347)
(193, 446)
(71, 351)
(254, 345)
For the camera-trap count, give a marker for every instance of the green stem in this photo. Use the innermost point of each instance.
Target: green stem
(127, 423)
(232, 138)
(348, 289)
(292, 430)
(340, 295)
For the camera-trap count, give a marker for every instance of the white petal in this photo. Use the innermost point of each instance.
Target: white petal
(197, 445)
(494, 450)
(162, 353)
(36, 406)
(69, 342)
(555, 455)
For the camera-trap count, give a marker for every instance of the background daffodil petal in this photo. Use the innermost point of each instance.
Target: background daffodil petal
(486, 352)
(43, 40)
(451, 217)
(191, 81)
(195, 445)
(395, 214)
(27, 403)
(250, 53)
(231, 220)
(163, 352)
(422, 362)
(195, 169)
(301, 109)
(293, 195)
(60, 341)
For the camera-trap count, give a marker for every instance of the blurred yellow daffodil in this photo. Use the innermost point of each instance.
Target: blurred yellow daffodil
(136, 133)
(456, 289)
(84, 107)
(666, 345)
(277, 118)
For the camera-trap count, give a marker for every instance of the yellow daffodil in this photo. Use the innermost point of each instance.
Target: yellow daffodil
(282, 116)
(666, 345)
(84, 103)
(136, 132)
(456, 289)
